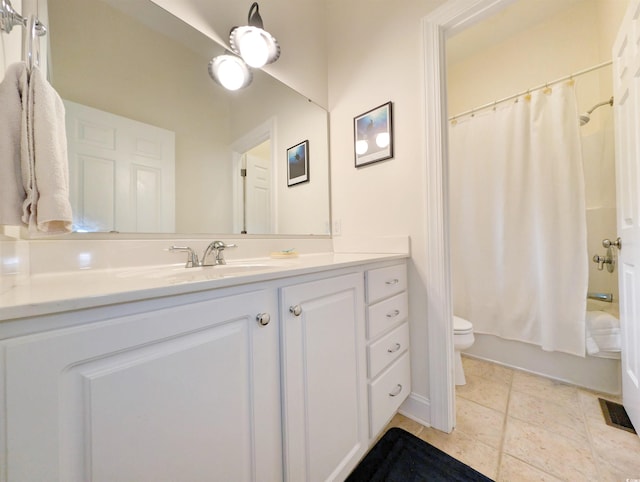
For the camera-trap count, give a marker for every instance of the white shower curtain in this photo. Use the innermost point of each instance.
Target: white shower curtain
(518, 221)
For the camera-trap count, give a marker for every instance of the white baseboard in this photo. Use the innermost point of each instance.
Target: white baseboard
(417, 408)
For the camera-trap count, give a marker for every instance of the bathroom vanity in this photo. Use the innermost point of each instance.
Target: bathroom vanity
(271, 370)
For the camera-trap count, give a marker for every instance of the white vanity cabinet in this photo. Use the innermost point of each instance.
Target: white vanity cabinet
(195, 385)
(186, 393)
(388, 366)
(324, 378)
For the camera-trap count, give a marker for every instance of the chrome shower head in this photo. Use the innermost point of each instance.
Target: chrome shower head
(586, 117)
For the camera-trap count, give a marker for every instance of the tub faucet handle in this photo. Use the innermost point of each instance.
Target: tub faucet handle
(607, 243)
(602, 260)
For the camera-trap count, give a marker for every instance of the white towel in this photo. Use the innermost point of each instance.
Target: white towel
(603, 334)
(13, 103)
(45, 165)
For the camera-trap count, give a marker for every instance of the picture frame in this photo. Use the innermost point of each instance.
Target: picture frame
(373, 135)
(298, 163)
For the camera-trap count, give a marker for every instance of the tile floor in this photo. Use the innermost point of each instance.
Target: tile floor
(514, 426)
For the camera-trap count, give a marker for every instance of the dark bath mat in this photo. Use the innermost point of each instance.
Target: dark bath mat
(402, 457)
(615, 415)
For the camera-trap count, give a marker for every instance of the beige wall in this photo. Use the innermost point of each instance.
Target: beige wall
(166, 84)
(157, 88)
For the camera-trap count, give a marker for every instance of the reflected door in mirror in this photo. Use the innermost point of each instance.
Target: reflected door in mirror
(122, 173)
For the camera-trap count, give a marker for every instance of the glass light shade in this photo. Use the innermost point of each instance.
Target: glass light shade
(230, 72)
(383, 139)
(256, 46)
(361, 147)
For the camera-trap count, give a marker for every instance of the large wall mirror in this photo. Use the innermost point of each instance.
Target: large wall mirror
(155, 146)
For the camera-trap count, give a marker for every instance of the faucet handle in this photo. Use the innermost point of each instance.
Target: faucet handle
(192, 257)
(222, 245)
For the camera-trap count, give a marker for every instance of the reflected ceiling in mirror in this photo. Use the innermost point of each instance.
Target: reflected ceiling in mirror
(156, 146)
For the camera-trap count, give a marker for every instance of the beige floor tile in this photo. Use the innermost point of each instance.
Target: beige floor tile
(404, 423)
(481, 368)
(558, 418)
(465, 448)
(562, 457)
(514, 470)
(618, 448)
(487, 392)
(545, 388)
(590, 404)
(613, 473)
(482, 423)
(554, 431)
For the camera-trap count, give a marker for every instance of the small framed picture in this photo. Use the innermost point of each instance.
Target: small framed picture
(373, 135)
(298, 163)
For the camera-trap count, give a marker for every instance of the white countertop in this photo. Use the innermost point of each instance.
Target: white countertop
(66, 291)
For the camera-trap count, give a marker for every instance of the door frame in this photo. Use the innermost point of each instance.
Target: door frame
(447, 20)
(258, 135)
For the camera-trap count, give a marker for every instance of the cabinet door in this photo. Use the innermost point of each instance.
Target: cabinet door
(324, 379)
(189, 393)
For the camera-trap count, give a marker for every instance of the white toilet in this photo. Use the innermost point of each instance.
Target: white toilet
(462, 339)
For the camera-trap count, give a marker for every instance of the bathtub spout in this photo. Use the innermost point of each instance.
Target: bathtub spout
(608, 297)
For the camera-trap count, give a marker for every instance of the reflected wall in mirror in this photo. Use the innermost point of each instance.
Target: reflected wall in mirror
(133, 75)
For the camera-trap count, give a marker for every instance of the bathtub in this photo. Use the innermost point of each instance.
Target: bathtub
(601, 373)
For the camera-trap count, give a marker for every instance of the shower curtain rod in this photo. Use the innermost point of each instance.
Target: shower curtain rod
(543, 86)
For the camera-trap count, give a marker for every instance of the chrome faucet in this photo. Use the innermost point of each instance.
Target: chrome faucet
(217, 247)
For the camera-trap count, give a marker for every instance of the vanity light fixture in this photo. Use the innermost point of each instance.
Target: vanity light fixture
(230, 71)
(256, 46)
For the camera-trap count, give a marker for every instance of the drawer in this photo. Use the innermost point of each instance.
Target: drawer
(384, 282)
(387, 393)
(388, 348)
(386, 314)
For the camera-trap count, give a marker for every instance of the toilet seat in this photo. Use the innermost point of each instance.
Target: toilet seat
(461, 326)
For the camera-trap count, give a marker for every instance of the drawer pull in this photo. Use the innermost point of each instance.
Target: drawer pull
(397, 391)
(395, 348)
(393, 314)
(393, 281)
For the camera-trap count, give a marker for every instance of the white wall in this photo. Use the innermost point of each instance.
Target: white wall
(375, 49)
(299, 27)
(302, 208)
(11, 43)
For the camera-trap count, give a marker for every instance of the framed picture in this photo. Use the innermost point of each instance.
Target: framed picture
(373, 135)
(298, 163)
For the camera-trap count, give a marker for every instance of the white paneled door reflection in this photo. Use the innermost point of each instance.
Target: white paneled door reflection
(122, 172)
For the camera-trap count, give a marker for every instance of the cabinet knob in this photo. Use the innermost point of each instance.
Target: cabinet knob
(296, 310)
(397, 391)
(263, 318)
